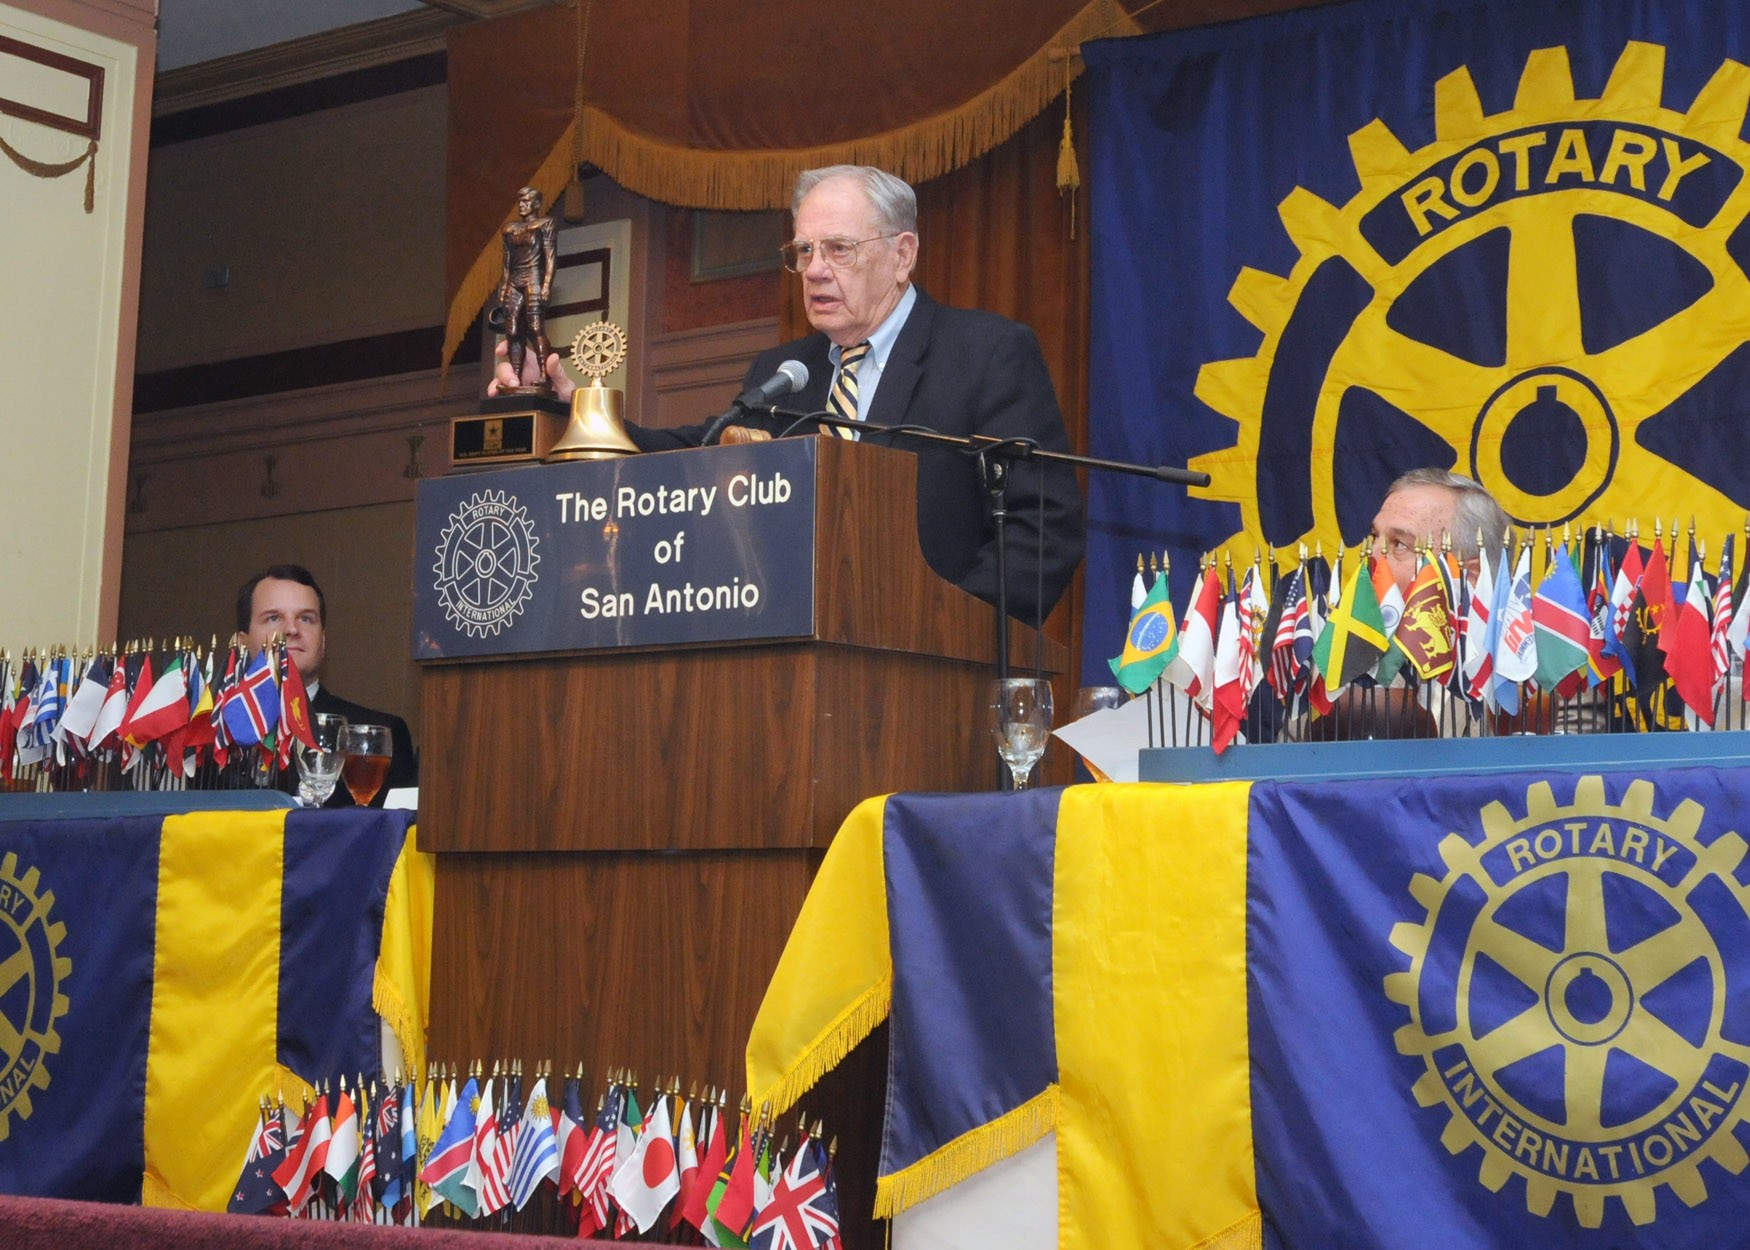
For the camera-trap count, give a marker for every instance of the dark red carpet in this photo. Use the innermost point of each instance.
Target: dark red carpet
(53, 1224)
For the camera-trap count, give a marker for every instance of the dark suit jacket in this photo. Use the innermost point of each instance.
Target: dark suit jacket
(959, 371)
(403, 766)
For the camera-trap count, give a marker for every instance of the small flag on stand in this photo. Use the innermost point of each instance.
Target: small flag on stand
(449, 1173)
(649, 1177)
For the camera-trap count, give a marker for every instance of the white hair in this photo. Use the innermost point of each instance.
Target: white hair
(895, 203)
(1475, 510)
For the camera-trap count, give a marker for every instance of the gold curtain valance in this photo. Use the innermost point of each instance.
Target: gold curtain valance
(709, 106)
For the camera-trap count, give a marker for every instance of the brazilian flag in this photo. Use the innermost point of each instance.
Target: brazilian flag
(1150, 643)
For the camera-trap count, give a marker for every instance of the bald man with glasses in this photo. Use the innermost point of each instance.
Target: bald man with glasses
(885, 353)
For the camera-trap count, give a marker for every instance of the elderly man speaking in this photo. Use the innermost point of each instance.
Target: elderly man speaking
(884, 352)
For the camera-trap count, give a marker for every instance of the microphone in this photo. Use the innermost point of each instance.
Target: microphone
(791, 377)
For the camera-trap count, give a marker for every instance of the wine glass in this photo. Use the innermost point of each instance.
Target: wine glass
(367, 761)
(319, 766)
(1020, 721)
(1091, 699)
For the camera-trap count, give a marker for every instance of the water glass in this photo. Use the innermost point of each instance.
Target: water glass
(1091, 699)
(319, 766)
(1020, 721)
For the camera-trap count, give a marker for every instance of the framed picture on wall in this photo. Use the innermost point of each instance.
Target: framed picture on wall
(731, 245)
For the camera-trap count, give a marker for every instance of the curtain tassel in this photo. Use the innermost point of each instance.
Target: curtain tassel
(1069, 175)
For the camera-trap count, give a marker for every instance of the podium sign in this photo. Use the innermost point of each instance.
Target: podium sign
(694, 546)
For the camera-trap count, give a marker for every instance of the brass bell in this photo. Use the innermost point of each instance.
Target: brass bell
(597, 430)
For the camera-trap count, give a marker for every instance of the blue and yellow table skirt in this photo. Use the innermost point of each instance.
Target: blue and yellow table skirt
(1501, 1010)
(158, 975)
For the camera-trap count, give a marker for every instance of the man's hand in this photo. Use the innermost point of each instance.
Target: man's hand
(741, 434)
(504, 376)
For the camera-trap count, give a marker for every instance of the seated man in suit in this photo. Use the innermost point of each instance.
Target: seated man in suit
(1421, 509)
(885, 352)
(285, 599)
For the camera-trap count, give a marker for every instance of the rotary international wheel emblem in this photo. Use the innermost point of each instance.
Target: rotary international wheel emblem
(598, 349)
(486, 563)
(31, 975)
(1572, 992)
(1551, 299)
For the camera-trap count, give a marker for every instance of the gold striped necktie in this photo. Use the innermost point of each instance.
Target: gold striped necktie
(843, 400)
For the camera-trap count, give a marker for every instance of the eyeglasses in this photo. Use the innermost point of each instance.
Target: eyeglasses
(839, 252)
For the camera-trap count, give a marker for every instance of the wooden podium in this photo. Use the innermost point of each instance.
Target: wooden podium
(625, 836)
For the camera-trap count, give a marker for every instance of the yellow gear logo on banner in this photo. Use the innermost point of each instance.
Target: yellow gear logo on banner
(1568, 990)
(1538, 299)
(32, 972)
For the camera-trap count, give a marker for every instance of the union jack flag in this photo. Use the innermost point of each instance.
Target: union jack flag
(223, 692)
(387, 1188)
(256, 1189)
(803, 1213)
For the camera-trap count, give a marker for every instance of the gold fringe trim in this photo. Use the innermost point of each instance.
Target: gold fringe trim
(829, 1047)
(926, 149)
(749, 179)
(969, 1154)
(387, 1002)
(1248, 1234)
(291, 1088)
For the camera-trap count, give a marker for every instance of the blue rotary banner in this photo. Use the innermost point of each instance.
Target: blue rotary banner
(1335, 244)
(1510, 1010)
(1531, 996)
(158, 976)
(76, 900)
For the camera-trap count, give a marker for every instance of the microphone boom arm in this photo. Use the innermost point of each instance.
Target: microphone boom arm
(995, 456)
(1007, 448)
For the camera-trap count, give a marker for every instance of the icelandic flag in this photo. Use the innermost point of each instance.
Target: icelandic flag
(254, 708)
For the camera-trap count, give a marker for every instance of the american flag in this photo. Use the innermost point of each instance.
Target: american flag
(1722, 624)
(510, 1110)
(599, 1154)
(1285, 662)
(364, 1203)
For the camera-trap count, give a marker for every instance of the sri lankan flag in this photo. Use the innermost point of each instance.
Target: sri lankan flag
(159, 975)
(1150, 642)
(1425, 632)
(1440, 1012)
